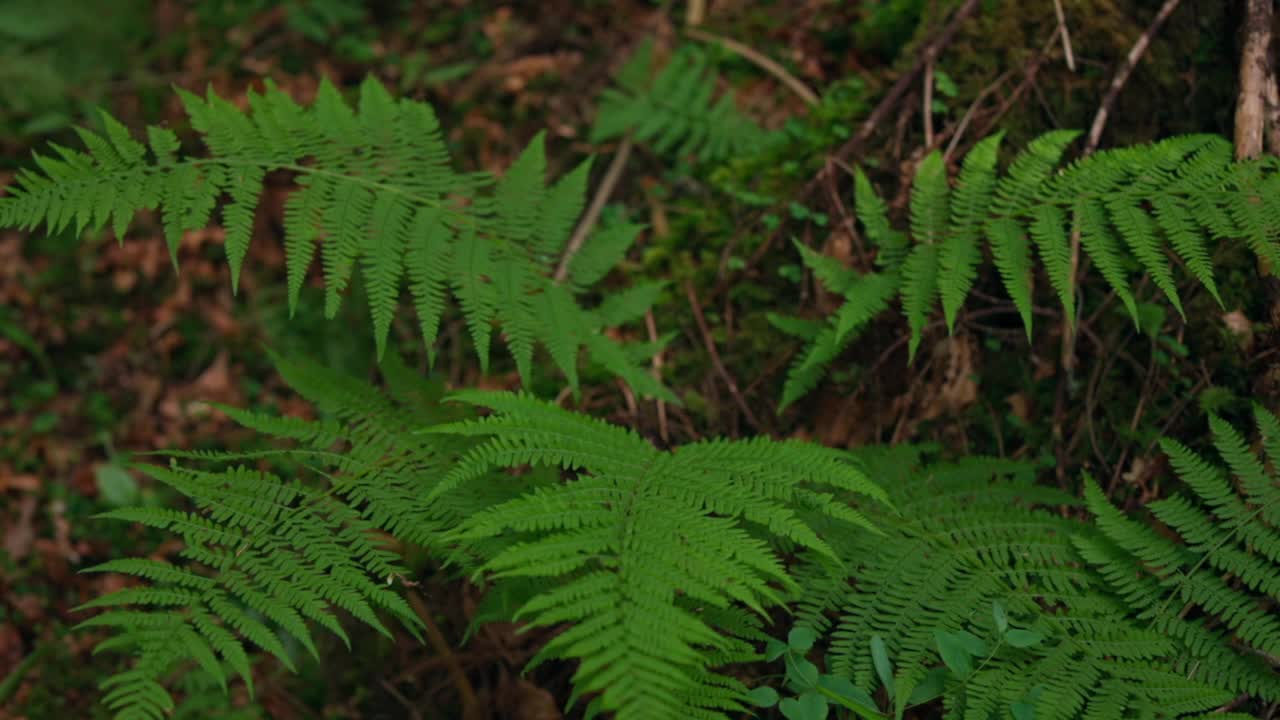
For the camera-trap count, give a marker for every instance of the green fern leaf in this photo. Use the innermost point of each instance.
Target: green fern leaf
(919, 289)
(635, 526)
(959, 256)
(366, 179)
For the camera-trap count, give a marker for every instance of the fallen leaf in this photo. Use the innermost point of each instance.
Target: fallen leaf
(23, 482)
(21, 533)
(1020, 406)
(1239, 326)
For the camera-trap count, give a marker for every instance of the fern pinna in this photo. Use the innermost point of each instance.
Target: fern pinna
(1141, 209)
(662, 563)
(977, 594)
(376, 192)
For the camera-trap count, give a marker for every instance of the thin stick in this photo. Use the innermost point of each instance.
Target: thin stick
(927, 108)
(466, 693)
(1069, 334)
(695, 11)
(968, 113)
(710, 344)
(853, 145)
(762, 61)
(664, 431)
(1122, 75)
(891, 98)
(400, 698)
(592, 216)
(1066, 35)
(1095, 137)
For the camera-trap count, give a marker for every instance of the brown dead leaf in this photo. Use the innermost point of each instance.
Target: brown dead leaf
(21, 533)
(1043, 370)
(216, 379)
(956, 389)
(842, 422)
(30, 606)
(519, 72)
(838, 246)
(11, 648)
(1020, 406)
(15, 481)
(523, 700)
(62, 531)
(1239, 326)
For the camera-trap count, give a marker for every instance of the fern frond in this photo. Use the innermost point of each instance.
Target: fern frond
(640, 539)
(1223, 561)
(971, 548)
(1134, 208)
(675, 110)
(262, 565)
(375, 193)
(865, 297)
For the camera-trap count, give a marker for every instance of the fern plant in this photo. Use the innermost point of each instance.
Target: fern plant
(675, 109)
(657, 557)
(270, 558)
(662, 563)
(1139, 209)
(1213, 582)
(978, 595)
(376, 192)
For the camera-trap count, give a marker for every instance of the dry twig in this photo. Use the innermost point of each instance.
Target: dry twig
(664, 431)
(592, 216)
(1122, 75)
(895, 93)
(721, 370)
(1066, 35)
(1069, 333)
(927, 104)
(762, 61)
(471, 709)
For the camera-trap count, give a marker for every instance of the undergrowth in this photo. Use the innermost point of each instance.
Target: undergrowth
(909, 578)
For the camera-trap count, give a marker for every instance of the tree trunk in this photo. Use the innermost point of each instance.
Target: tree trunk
(1255, 80)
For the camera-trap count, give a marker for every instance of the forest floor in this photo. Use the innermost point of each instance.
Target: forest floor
(107, 352)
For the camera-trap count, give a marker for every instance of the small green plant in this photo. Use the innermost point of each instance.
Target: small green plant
(1134, 209)
(673, 110)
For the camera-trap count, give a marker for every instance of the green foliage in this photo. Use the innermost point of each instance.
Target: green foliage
(979, 595)
(966, 582)
(656, 557)
(1141, 209)
(1212, 584)
(376, 193)
(58, 57)
(663, 563)
(675, 110)
(270, 558)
